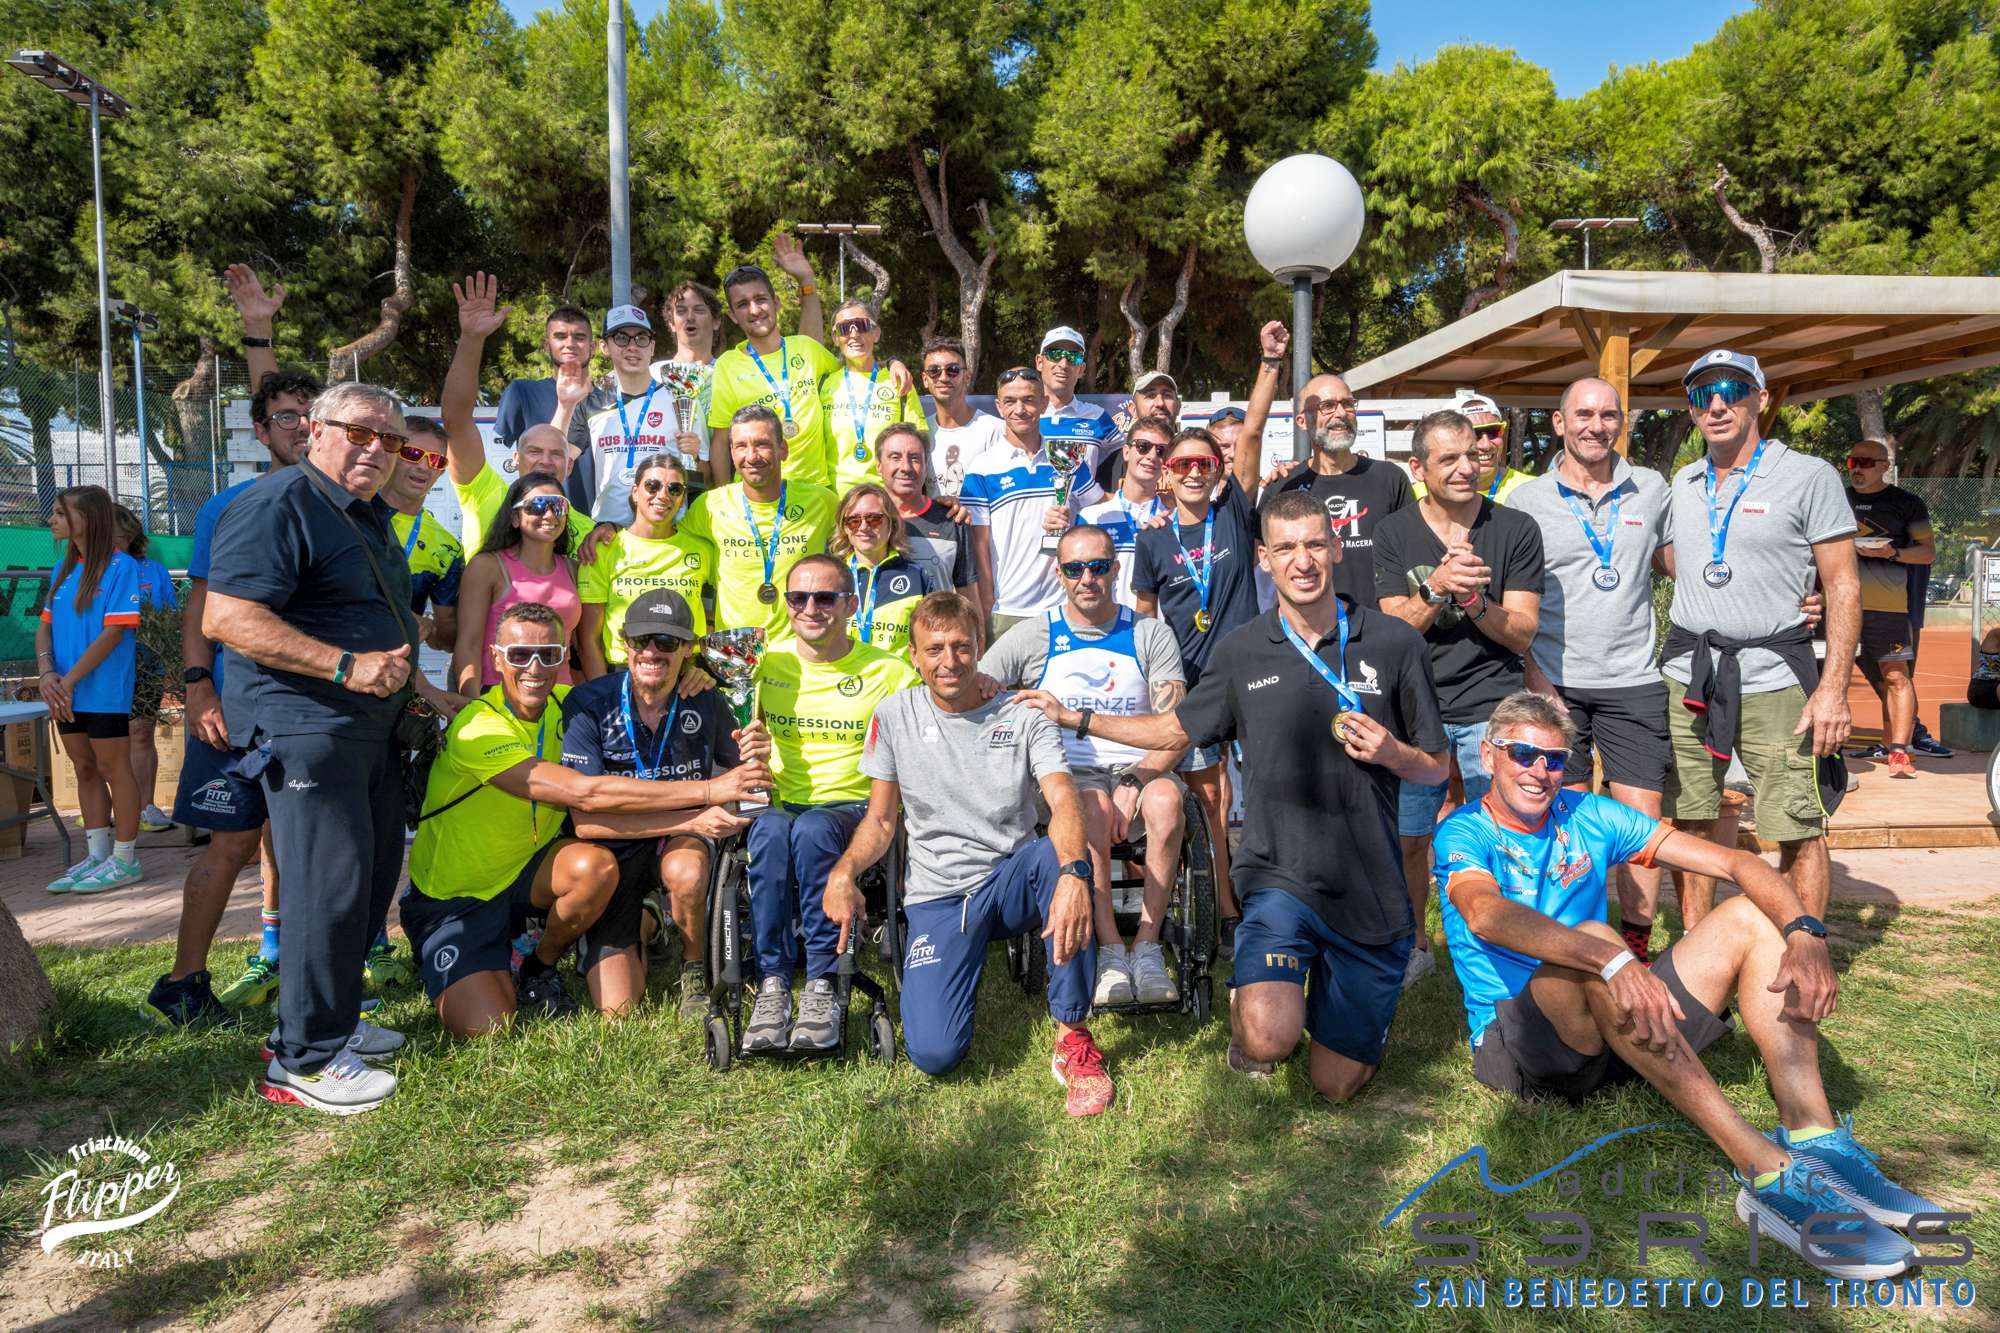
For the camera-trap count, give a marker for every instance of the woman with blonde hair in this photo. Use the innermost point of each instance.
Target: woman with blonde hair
(868, 533)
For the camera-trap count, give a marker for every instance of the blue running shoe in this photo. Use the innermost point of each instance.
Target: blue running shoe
(1931, 746)
(1849, 1170)
(1862, 1251)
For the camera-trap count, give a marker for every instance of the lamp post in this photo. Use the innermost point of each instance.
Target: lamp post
(843, 230)
(621, 160)
(142, 322)
(1302, 220)
(1587, 226)
(72, 83)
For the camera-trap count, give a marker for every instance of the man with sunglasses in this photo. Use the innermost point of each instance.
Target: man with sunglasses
(1895, 536)
(1064, 415)
(1496, 481)
(635, 422)
(960, 432)
(817, 693)
(634, 723)
(1752, 522)
(940, 542)
(1093, 653)
(1557, 1009)
(435, 557)
(1137, 503)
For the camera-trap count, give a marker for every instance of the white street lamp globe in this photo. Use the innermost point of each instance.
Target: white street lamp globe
(1304, 216)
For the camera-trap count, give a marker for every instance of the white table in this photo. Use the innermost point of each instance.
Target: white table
(43, 801)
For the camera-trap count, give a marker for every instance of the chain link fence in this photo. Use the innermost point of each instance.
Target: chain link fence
(1965, 513)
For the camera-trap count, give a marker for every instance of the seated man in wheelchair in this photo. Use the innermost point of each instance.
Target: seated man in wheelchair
(818, 693)
(965, 770)
(1097, 657)
(635, 723)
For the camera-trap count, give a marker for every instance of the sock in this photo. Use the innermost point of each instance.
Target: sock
(126, 851)
(1808, 1134)
(532, 966)
(99, 842)
(269, 947)
(381, 941)
(1763, 1180)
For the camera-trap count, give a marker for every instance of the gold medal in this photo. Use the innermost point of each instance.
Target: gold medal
(1340, 726)
(1201, 621)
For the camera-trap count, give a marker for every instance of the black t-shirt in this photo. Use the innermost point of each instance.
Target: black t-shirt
(1356, 500)
(595, 741)
(1158, 569)
(943, 546)
(1901, 518)
(1473, 673)
(1316, 823)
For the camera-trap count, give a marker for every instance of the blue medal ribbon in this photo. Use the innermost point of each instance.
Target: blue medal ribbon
(785, 370)
(770, 553)
(665, 733)
(1601, 548)
(410, 542)
(541, 725)
(1499, 475)
(625, 425)
(1349, 700)
(868, 609)
(1201, 580)
(859, 417)
(1718, 524)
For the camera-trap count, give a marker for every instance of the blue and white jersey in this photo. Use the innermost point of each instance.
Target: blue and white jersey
(1102, 674)
(1560, 869)
(1009, 493)
(1123, 518)
(1078, 420)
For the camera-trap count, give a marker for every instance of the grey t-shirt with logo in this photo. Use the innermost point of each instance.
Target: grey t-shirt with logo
(1591, 638)
(1793, 501)
(969, 782)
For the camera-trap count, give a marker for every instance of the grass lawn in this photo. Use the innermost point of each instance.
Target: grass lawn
(597, 1174)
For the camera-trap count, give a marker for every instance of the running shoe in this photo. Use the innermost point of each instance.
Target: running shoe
(1876, 750)
(386, 967)
(154, 820)
(1150, 982)
(1861, 1250)
(1930, 746)
(1114, 975)
(1421, 965)
(1900, 765)
(110, 873)
(817, 1028)
(693, 988)
(1849, 1170)
(344, 1085)
(1079, 1066)
(368, 1041)
(66, 881)
(1242, 1064)
(543, 995)
(770, 1022)
(189, 1002)
(257, 985)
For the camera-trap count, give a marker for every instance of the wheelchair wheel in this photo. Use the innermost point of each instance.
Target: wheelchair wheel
(882, 1038)
(1028, 961)
(720, 1048)
(1200, 999)
(727, 901)
(1993, 781)
(1197, 888)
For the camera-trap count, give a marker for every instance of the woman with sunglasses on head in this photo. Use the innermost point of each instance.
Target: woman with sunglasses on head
(649, 555)
(434, 555)
(525, 558)
(860, 399)
(869, 535)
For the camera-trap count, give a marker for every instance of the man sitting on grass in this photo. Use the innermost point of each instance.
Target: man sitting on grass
(1558, 1007)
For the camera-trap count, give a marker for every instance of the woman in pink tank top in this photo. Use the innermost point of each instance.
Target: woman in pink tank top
(525, 558)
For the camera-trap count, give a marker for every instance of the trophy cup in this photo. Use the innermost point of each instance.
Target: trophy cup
(1065, 456)
(731, 656)
(687, 382)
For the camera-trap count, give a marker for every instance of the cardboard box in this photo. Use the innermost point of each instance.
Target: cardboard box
(170, 738)
(17, 794)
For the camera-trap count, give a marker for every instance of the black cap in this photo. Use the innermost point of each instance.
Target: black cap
(661, 611)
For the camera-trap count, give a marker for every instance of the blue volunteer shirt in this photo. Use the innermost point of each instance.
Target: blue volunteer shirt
(72, 629)
(1560, 869)
(595, 741)
(204, 541)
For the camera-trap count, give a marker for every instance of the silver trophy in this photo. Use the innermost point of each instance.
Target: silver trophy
(1066, 457)
(731, 656)
(687, 382)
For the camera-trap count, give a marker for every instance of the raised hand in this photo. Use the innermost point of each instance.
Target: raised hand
(572, 383)
(256, 305)
(791, 257)
(480, 315)
(1274, 338)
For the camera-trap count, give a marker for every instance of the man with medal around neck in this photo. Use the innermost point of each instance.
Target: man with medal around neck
(1752, 522)
(1334, 707)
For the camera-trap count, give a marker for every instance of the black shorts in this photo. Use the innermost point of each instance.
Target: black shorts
(1628, 727)
(213, 795)
(1983, 693)
(1886, 637)
(617, 927)
(97, 726)
(1521, 1053)
(454, 938)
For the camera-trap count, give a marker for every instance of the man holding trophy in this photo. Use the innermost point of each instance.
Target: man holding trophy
(1020, 499)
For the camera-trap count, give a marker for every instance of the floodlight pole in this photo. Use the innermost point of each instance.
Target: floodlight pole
(621, 164)
(841, 230)
(1587, 226)
(110, 421)
(140, 322)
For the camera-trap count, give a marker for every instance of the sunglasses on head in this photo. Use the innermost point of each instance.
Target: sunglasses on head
(855, 522)
(1144, 447)
(653, 486)
(1525, 754)
(945, 372)
(660, 643)
(1731, 392)
(1862, 460)
(1076, 569)
(542, 506)
(416, 453)
(629, 338)
(847, 326)
(1063, 356)
(820, 600)
(362, 437)
(1028, 373)
(522, 655)
(1197, 465)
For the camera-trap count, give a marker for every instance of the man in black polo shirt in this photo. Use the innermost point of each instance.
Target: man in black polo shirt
(635, 723)
(1332, 702)
(308, 586)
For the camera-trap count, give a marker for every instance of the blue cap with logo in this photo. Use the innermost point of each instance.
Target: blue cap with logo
(625, 317)
(1724, 359)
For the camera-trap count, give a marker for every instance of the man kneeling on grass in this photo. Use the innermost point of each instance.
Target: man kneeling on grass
(1558, 1008)
(494, 851)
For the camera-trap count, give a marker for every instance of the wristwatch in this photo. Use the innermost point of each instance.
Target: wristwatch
(1078, 869)
(1432, 595)
(249, 341)
(1083, 722)
(196, 675)
(1131, 779)
(1811, 925)
(340, 670)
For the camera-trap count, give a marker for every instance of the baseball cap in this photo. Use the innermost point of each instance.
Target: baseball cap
(1477, 402)
(1229, 413)
(1061, 333)
(662, 611)
(1151, 378)
(625, 317)
(1726, 359)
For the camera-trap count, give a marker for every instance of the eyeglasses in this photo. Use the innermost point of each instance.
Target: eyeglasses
(1525, 754)
(855, 522)
(1731, 392)
(361, 437)
(1491, 430)
(1197, 465)
(1144, 447)
(821, 601)
(287, 419)
(543, 506)
(946, 372)
(412, 453)
(653, 486)
(847, 326)
(1063, 356)
(659, 643)
(522, 655)
(629, 338)
(1330, 406)
(1862, 460)
(1027, 373)
(1076, 569)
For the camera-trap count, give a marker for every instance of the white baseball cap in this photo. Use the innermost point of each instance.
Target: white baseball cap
(625, 317)
(1722, 356)
(1062, 333)
(1151, 378)
(1477, 402)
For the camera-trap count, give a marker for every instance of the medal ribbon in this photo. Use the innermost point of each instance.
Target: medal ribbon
(541, 725)
(784, 369)
(769, 553)
(1603, 548)
(1348, 698)
(858, 412)
(1718, 525)
(1499, 475)
(410, 542)
(1201, 580)
(665, 732)
(868, 609)
(626, 426)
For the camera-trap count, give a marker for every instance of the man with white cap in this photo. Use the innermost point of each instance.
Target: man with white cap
(1154, 394)
(1497, 481)
(1064, 417)
(639, 422)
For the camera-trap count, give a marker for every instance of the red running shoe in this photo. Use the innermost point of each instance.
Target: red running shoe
(1900, 765)
(1079, 1066)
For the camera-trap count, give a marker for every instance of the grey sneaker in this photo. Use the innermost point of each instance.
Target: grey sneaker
(818, 1025)
(770, 1017)
(693, 991)
(1114, 975)
(1150, 982)
(1421, 965)
(369, 1042)
(345, 1085)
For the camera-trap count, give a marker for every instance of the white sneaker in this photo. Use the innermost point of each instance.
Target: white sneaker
(154, 820)
(344, 1085)
(110, 873)
(1114, 976)
(66, 881)
(369, 1042)
(1421, 965)
(1150, 982)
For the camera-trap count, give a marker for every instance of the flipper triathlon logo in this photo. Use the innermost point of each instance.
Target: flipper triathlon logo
(109, 1185)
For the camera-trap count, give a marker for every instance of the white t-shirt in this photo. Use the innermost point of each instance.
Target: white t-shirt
(1009, 494)
(953, 448)
(617, 455)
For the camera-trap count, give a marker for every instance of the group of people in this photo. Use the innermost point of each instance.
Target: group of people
(1019, 640)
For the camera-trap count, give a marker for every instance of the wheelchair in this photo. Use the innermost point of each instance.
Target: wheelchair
(1187, 935)
(730, 973)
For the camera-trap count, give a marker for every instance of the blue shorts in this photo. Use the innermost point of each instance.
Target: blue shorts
(213, 795)
(454, 938)
(1418, 806)
(1351, 988)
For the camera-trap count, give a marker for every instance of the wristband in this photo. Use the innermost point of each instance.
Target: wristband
(340, 670)
(1083, 722)
(807, 289)
(1611, 969)
(248, 341)
(1273, 361)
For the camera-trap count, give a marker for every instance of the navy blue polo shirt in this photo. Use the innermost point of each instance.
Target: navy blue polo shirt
(595, 741)
(284, 544)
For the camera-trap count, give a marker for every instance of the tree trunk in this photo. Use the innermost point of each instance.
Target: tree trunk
(975, 277)
(1128, 306)
(1760, 235)
(1510, 249)
(194, 399)
(880, 293)
(26, 998)
(1163, 350)
(1874, 421)
(395, 305)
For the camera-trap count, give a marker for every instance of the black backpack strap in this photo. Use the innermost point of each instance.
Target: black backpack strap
(462, 796)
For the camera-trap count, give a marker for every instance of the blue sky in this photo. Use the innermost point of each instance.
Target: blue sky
(1576, 40)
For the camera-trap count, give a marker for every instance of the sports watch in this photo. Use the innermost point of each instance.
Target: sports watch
(1080, 869)
(1431, 595)
(194, 675)
(1811, 925)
